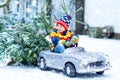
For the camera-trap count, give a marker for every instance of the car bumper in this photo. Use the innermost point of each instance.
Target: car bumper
(95, 69)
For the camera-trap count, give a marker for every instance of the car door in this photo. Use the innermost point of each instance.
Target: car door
(57, 60)
(54, 60)
(49, 59)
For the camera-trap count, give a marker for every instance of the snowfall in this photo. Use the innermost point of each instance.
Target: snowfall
(110, 47)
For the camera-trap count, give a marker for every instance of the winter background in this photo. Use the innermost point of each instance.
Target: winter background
(103, 12)
(110, 16)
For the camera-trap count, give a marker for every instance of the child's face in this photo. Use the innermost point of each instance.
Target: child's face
(60, 28)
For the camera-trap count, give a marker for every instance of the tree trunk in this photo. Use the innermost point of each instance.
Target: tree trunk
(49, 7)
(79, 16)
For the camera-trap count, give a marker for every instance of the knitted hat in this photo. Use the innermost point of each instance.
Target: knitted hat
(64, 21)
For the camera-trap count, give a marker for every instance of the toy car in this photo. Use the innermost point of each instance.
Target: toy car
(74, 60)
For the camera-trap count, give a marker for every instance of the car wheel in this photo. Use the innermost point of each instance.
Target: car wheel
(70, 70)
(42, 64)
(100, 73)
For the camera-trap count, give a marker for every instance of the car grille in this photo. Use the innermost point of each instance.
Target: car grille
(96, 64)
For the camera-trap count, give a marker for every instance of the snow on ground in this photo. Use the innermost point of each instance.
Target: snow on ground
(108, 46)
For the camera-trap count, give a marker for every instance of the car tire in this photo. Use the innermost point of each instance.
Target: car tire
(100, 73)
(42, 64)
(70, 70)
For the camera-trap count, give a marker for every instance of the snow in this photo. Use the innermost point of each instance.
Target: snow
(107, 46)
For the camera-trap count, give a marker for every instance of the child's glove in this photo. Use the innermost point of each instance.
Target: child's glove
(74, 39)
(61, 41)
(67, 43)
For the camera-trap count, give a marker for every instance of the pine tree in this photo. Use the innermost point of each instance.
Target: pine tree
(27, 40)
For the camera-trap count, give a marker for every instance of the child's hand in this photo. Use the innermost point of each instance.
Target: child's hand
(61, 41)
(74, 39)
(67, 43)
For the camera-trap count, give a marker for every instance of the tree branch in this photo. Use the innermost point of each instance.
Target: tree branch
(7, 3)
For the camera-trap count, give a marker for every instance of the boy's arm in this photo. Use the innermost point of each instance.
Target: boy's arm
(54, 38)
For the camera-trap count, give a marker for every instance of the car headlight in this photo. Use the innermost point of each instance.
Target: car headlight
(84, 62)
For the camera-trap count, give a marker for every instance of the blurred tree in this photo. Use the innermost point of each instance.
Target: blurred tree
(49, 7)
(5, 5)
(79, 16)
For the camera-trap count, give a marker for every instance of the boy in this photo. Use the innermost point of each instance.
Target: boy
(62, 38)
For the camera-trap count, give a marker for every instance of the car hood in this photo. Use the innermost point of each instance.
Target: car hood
(88, 56)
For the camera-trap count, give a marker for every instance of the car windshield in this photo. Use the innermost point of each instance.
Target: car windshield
(74, 49)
